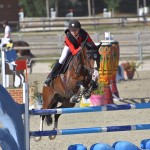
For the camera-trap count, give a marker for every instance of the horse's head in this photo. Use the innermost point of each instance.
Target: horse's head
(83, 61)
(89, 56)
(92, 54)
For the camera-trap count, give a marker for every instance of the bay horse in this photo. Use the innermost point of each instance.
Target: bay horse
(25, 53)
(68, 88)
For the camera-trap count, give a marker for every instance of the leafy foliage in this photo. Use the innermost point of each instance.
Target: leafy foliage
(112, 4)
(131, 65)
(33, 8)
(100, 89)
(36, 94)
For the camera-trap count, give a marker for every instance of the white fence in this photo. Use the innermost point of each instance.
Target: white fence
(132, 44)
(45, 46)
(59, 23)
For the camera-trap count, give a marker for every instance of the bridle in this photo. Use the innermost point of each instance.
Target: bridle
(86, 64)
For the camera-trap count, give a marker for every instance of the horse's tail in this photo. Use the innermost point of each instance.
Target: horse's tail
(28, 53)
(25, 52)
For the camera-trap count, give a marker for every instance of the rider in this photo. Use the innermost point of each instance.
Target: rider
(7, 33)
(75, 35)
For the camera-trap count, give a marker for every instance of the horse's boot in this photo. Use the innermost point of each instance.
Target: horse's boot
(94, 85)
(53, 73)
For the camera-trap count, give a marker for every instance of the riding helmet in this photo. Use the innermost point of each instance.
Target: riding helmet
(74, 24)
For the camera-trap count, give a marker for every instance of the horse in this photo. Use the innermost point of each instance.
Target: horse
(68, 88)
(25, 53)
(22, 54)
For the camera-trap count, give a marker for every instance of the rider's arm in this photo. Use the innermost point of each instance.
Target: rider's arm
(73, 50)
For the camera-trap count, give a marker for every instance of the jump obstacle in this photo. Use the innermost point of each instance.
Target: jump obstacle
(18, 133)
(110, 107)
(91, 130)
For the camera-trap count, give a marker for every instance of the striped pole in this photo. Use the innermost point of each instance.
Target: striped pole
(110, 107)
(90, 130)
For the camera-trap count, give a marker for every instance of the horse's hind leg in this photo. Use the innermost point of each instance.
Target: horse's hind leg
(65, 104)
(52, 137)
(38, 138)
(49, 119)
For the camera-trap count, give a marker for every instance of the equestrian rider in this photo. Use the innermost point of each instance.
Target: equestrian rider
(75, 35)
(7, 32)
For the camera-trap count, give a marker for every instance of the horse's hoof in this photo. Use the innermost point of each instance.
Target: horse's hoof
(52, 137)
(74, 99)
(49, 124)
(87, 95)
(49, 120)
(38, 138)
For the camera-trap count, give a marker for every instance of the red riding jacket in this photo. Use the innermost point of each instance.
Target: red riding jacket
(74, 44)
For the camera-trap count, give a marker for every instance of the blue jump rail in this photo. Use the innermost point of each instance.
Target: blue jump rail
(110, 107)
(90, 130)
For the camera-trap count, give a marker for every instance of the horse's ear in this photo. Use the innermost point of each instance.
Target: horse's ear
(98, 46)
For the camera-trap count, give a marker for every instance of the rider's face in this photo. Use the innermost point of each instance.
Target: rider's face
(74, 31)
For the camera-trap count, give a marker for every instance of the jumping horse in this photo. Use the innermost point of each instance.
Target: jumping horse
(25, 53)
(22, 54)
(68, 88)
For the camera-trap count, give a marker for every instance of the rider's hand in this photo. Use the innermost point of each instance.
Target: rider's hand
(77, 50)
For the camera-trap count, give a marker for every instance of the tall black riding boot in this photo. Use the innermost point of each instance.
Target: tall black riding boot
(54, 71)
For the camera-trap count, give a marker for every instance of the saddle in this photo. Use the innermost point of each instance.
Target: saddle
(64, 66)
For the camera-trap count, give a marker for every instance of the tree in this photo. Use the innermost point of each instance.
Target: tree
(112, 4)
(33, 8)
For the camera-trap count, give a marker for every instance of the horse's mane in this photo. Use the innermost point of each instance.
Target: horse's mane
(79, 68)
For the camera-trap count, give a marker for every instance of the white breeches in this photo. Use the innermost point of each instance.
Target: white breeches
(64, 54)
(4, 41)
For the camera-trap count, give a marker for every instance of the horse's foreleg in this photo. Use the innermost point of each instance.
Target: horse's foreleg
(56, 121)
(81, 91)
(40, 129)
(77, 97)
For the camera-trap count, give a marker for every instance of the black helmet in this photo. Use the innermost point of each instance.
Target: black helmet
(74, 24)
